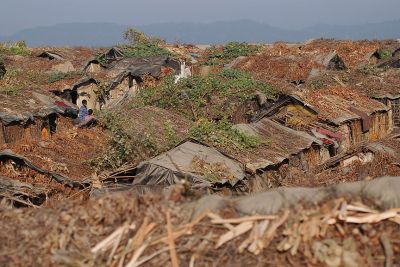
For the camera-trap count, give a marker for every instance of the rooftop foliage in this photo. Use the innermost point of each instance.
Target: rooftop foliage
(220, 56)
(214, 96)
(17, 48)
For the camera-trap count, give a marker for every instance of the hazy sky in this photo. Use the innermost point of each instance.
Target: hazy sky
(20, 14)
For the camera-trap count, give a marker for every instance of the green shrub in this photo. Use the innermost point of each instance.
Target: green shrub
(384, 53)
(214, 96)
(11, 90)
(17, 48)
(223, 134)
(58, 76)
(144, 50)
(124, 146)
(229, 52)
(134, 36)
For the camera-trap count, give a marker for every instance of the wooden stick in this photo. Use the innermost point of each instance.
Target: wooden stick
(146, 259)
(20, 201)
(116, 244)
(182, 230)
(172, 250)
(388, 250)
(239, 230)
(361, 209)
(214, 216)
(269, 235)
(136, 255)
(244, 219)
(108, 240)
(192, 260)
(372, 218)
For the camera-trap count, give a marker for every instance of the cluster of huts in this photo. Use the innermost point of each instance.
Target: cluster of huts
(103, 80)
(301, 129)
(31, 116)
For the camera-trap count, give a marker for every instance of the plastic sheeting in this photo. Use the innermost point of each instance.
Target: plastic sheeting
(170, 167)
(20, 160)
(34, 104)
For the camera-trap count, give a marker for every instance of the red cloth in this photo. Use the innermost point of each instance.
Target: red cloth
(61, 104)
(337, 136)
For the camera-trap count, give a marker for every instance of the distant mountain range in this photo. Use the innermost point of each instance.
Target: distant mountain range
(107, 34)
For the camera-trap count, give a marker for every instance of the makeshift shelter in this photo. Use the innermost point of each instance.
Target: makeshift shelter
(396, 53)
(392, 101)
(97, 63)
(85, 89)
(200, 165)
(330, 61)
(288, 110)
(22, 161)
(111, 55)
(30, 116)
(93, 66)
(123, 86)
(155, 66)
(279, 70)
(291, 111)
(282, 146)
(51, 55)
(390, 63)
(2, 70)
(356, 117)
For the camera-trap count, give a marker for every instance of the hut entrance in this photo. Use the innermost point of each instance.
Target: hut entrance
(74, 97)
(48, 127)
(45, 132)
(396, 112)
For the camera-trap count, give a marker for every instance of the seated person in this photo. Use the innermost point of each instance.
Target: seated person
(90, 115)
(83, 111)
(89, 121)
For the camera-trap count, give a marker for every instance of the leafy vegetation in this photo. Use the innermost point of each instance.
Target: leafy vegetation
(58, 76)
(134, 36)
(170, 134)
(384, 53)
(210, 102)
(229, 52)
(215, 96)
(144, 50)
(16, 79)
(142, 45)
(222, 134)
(17, 48)
(124, 146)
(12, 91)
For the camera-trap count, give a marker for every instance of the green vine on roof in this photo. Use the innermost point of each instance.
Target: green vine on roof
(144, 50)
(214, 96)
(232, 50)
(17, 48)
(142, 45)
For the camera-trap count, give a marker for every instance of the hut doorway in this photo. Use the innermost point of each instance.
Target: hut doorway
(396, 112)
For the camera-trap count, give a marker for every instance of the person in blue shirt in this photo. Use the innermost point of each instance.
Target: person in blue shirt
(83, 111)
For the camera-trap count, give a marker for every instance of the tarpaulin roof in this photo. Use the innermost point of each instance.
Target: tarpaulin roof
(28, 104)
(201, 165)
(143, 66)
